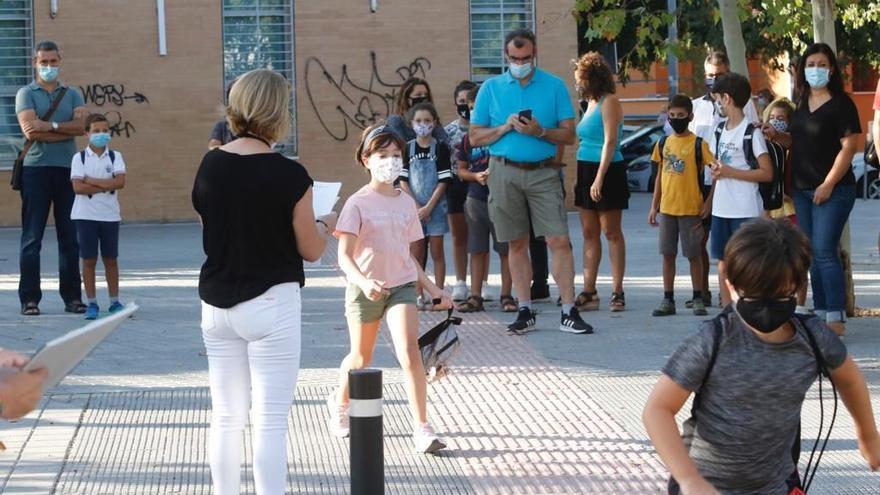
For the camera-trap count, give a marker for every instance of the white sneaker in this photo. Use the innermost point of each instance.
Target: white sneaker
(426, 441)
(487, 293)
(460, 291)
(338, 417)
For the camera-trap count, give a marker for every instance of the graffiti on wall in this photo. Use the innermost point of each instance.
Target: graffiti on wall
(103, 95)
(356, 104)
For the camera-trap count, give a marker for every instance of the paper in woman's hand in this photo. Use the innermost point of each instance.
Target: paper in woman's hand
(324, 197)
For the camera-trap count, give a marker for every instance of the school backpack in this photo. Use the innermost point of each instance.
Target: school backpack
(82, 157)
(796, 484)
(698, 157)
(772, 191)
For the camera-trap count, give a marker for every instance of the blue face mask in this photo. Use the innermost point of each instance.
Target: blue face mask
(99, 139)
(817, 77)
(48, 74)
(520, 71)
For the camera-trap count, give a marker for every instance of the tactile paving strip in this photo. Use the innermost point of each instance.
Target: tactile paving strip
(155, 442)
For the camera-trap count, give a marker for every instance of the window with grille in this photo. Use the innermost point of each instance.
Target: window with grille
(491, 20)
(258, 34)
(16, 45)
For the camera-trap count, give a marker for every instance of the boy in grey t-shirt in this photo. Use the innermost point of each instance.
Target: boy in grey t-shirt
(741, 436)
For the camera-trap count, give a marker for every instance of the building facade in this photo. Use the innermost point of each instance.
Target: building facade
(158, 70)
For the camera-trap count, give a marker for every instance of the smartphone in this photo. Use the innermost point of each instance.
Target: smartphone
(525, 114)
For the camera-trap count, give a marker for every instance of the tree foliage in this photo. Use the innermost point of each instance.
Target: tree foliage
(771, 28)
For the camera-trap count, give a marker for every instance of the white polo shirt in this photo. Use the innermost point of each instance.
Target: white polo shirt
(101, 207)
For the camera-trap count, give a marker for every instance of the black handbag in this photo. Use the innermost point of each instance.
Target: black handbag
(439, 345)
(18, 166)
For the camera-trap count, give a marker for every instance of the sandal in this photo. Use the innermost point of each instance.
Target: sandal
(618, 302)
(30, 309)
(472, 304)
(587, 301)
(508, 304)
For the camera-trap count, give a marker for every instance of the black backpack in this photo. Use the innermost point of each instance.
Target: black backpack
(698, 157)
(794, 480)
(772, 191)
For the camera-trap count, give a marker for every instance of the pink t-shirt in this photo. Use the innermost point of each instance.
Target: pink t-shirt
(385, 226)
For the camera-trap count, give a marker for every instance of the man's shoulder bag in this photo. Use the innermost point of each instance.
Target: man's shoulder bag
(18, 166)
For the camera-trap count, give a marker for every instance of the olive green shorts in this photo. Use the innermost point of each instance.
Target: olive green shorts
(363, 310)
(515, 195)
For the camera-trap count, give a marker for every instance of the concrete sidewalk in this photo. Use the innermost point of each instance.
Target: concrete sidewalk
(548, 413)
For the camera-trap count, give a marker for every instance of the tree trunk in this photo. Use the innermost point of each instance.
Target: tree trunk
(734, 43)
(823, 23)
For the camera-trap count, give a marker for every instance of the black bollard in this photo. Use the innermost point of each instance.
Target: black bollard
(365, 419)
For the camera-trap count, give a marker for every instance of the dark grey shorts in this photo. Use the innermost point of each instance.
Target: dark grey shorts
(480, 228)
(687, 229)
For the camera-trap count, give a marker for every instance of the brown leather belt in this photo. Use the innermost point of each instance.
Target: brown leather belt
(548, 163)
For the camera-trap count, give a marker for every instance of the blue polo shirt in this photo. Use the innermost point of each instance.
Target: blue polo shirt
(501, 96)
(34, 97)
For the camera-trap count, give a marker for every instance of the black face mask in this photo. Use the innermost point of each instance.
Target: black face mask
(767, 314)
(418, 99)
(464, 111)
(679, 125)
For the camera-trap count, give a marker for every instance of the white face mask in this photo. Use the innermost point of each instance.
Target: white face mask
(385, 169)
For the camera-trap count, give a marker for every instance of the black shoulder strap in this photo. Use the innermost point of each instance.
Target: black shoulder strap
(660, 146)
(82, 157)
(718, 130)
(698, 159)
(820, 359)
(717, 336)
(112, 156)
(748, 149)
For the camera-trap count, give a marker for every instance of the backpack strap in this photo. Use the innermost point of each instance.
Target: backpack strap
(112, 156)
(717, 334)
(82, 157)
(718, 130)
(698, 158)
(748, 149)
(661, 145)
(820, 359)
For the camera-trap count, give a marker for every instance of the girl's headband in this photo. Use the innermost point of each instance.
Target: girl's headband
(382, 129)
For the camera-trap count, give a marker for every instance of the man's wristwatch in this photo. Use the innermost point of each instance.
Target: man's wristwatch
(54, 125)
(543, 133)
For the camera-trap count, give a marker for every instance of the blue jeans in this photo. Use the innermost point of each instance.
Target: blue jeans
(823, 225)
(42, 188)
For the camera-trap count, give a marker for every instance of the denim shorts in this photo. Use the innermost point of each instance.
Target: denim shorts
(722, 231)
(438, 223)
(90, 233)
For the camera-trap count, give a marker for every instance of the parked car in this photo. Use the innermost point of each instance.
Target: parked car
(873, 185)
(637, 148)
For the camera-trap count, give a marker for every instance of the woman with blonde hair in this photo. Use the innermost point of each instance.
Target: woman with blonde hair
(258, 226)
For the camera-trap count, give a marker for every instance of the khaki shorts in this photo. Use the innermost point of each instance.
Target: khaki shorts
(516, 194)
(363, 310)
(687, 229)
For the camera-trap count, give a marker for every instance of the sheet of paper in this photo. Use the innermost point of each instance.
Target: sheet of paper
(324, 196)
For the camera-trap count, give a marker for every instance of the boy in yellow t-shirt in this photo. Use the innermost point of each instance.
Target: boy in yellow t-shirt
(679, 207)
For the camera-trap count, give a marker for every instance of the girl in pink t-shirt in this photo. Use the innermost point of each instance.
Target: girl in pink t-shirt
(375, 229)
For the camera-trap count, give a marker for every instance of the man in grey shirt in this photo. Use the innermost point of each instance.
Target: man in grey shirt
(46, 179)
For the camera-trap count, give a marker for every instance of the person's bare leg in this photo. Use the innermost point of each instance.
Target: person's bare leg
(669, 273)
(363, 342)
(418, 250)
(611, 227)
(111, 272)
(479, 269)
(88, 276)
(520, 268)
(403, 322)
(704, 261)
(505, 275)
(459, 228)
(696, 266)
(722, 279)
(562, 266)
(592, 248)
(439, 259)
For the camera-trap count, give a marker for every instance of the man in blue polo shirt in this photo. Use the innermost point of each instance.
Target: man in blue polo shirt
(522, 116)
(46, 179)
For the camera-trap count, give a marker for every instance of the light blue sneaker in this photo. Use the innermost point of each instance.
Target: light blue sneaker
(115, 307)
(92, 311)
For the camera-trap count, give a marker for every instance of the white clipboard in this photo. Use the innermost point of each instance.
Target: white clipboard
(60, 356)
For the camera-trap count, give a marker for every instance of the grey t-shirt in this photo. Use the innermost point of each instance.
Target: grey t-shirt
(750, 404)
(34, 97)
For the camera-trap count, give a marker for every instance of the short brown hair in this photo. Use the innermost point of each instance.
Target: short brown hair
(92, 118)
(384, 137)
(681, 101)
(718, 58)
(423, 106)
(768, 258)
(593, 76)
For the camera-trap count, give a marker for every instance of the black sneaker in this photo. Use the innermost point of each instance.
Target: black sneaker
(539, 292)
(573, 323)
(525, 322)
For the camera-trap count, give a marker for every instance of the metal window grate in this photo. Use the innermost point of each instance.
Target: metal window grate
(16, 44)
(491, 20)
(259, 34)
